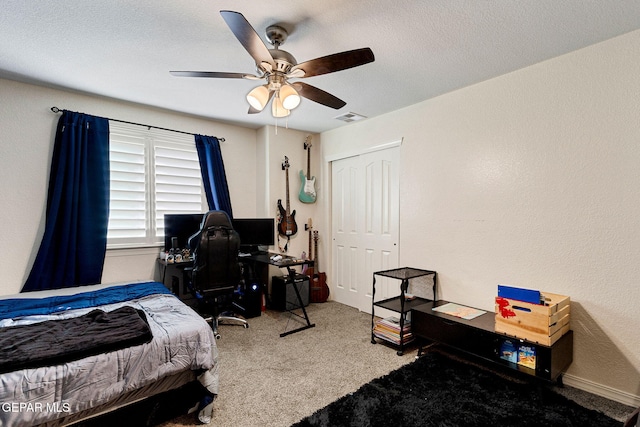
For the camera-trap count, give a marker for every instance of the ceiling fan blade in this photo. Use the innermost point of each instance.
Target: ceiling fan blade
(247, 36)
(318, 95)
(336, 62)
(213, 74)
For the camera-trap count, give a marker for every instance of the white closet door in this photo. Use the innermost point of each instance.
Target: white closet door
(365, 226)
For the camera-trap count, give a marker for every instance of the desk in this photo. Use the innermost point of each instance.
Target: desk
(287, 262)
(175, 278)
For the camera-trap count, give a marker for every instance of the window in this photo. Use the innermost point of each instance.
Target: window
(153, 172)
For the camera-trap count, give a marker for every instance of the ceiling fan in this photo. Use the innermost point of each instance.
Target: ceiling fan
(277, 66)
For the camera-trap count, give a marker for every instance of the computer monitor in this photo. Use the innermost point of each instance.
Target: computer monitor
(254, 232)
(180, 226)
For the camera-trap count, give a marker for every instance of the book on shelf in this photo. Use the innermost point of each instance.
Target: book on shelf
(527, 356)
(509, 351)
(394, 323)
(389, 329)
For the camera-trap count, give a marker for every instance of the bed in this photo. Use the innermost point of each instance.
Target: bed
(71, 354)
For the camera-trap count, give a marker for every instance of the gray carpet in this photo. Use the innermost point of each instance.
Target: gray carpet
(271, 381)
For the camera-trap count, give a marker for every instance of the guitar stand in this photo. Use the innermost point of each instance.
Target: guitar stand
(292, 276)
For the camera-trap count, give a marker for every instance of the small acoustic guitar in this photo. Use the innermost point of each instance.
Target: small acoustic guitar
(287, 223)
(319, 288)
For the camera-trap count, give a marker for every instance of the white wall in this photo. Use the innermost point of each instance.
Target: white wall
(290, 143)
(26, 145)
(274, 144)
(531, 179)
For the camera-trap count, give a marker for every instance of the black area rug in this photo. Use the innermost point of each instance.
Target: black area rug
(437, 390)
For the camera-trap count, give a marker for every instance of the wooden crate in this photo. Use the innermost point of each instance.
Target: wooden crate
(542, 324)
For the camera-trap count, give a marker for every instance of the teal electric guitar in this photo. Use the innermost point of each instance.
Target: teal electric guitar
(308, 188)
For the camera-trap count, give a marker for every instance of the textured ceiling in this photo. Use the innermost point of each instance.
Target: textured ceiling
(124, 49)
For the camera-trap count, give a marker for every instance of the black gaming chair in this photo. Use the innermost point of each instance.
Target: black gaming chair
(216, 271)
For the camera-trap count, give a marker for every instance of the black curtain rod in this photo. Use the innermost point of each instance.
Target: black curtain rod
(57, 110)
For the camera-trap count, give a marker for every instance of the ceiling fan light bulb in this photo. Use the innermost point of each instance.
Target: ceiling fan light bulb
(258, 97)
(277, 109)
(289, 96)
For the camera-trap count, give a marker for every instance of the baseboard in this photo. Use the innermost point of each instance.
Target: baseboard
(602, 390)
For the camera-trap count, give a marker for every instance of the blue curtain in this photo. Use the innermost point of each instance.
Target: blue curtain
(75, 237)
(213, 174)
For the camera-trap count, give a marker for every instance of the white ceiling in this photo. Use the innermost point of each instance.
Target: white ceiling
(124, 49)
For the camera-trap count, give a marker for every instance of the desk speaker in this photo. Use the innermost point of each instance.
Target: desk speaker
(283, 296)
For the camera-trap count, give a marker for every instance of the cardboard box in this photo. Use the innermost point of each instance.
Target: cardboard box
(539, 323)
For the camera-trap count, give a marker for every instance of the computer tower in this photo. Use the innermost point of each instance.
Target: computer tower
(283, 296)
(247, 300)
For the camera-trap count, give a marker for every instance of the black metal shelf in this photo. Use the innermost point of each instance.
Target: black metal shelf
(400, 304)
(395, 303)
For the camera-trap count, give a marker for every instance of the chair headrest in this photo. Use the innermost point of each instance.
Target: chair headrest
(216, 218)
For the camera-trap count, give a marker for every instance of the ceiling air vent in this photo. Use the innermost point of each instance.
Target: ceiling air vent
(350, 117)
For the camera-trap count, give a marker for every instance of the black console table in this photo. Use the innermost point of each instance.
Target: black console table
(478, 337)
(399, 304)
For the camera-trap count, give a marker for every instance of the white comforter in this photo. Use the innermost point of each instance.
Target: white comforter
(182, 340)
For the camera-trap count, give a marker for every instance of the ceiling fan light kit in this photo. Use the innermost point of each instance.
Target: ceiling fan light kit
(258, 97)
(277, 109)
(277, 66)
(289, 96)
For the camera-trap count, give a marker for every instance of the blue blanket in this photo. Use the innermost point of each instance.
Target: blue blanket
(20, 307)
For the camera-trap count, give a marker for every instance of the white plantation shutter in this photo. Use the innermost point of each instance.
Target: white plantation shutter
(153, 172)
(178, 181)
(128, 202)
